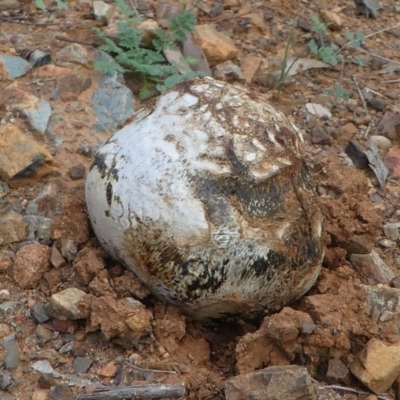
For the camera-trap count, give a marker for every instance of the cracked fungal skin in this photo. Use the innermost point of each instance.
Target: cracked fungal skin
(207, 199)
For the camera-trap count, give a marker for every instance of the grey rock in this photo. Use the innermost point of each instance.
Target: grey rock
(391, 230)
(12, 67)
(6, 381)
(102, 11)
(72, 54)
(68, 248)
(112, 104)
(44, 367)
(337, 370)
(372, 267)
(382, 299)
(307, 328)
(39, 58)
(39, 227)
(9, 341)
(5, 307)
(11, 359)
(13, 228)
(228, 72)
(82, 364)
(289, 382)
(36, 110)
(39, 314)
(367, 7)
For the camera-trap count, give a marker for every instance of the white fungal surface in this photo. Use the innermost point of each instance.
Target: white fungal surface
(207, 199)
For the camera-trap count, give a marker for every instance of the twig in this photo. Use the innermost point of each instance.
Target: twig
(37, 81)
(375, 92)
(65, 39)
(155, 371)
(351, 390)
(18, 21)
(370, 125)
(360, 93)
(377, 56)
(152, 391)
(134, 8)
(392, 81)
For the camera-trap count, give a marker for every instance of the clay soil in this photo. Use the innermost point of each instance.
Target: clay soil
(354, 205)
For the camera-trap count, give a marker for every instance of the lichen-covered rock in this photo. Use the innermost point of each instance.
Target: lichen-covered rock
(207, 199)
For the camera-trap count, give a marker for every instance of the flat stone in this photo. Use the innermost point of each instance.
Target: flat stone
(12, 67)
(102, 11)
(372, 267)
(65, 304)
(337, 370)
(56, 258)
(39, 314)
(43, 335)
(217, 46)
(109, 370)
(12, 228)
(39, 227)
(377, 366)
(228, 72)
(9, 341)
(289, 382)
(36, 110)
(82, 364)
(112, 104)
(44, 367)
(20, 156)
(249, 66)
(11, 359)
(31, 262)
(72, 54)
(6, 381)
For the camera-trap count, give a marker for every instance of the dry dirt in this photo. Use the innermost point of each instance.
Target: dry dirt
(354, 206)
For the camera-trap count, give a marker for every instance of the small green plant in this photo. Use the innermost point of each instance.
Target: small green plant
(147, 63)
(338, 92)
(326, 52)
(322, 51)
(59, 3)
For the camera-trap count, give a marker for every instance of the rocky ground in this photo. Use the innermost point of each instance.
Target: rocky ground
(71, 317)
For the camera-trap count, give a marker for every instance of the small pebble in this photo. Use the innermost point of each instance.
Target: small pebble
(11, 359)
(82, 364)
(39, 314)
(77, 172)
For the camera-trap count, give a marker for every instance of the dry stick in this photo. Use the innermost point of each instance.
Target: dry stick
(360, 93)
(65, 39)
(392, 81)
(151, 391)
(18, 21)
(347, 389)
(375, 92)
(143, 370)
